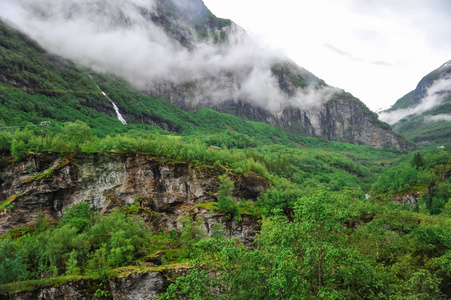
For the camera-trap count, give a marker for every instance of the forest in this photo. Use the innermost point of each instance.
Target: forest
(330, 228)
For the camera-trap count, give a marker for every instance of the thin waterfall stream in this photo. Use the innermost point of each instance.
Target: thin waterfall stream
(116, 109)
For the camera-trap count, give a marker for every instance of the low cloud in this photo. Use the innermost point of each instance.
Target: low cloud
(117, 36)
(438, 118)
(436, 93)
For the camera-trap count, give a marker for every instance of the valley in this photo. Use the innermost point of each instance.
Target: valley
(210, 169)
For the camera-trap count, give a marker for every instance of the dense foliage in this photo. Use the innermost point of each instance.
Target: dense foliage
(336, 245)
(330, 226)
(321, 254)
(424, 129)
(83, 242)
(321, 237)
(427, 176)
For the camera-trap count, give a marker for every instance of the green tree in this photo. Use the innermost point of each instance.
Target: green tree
(79, 216)
(121, 249)
(56, 246)
(197, 285)
(309, 252)
(226, 202)
(121, 236)
(72, 267)
(421, 285)
(19, 149)
(12, 267)
(76, 133)
(24, 140)
(192, 232)
(5, 140)
(417, 160)
(98, 266)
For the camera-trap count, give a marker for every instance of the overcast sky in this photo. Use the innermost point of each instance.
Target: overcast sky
(378, 50)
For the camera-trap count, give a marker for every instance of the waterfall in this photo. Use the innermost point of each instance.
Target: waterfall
(116, 109)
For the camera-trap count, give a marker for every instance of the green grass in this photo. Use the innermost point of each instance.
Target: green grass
(211, 206)
(31, 285)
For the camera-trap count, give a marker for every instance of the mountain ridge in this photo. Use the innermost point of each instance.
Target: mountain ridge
(215, 65)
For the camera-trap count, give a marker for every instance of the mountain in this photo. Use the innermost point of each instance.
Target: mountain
(138, 189)
(424, 114)
(181, 52)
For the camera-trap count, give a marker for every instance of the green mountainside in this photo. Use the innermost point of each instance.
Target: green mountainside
(180, 52)
(429, 122)
(328, 220)
(425, 129)
(37, 86)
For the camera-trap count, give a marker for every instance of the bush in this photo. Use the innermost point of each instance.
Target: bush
(79, 216)
(226, 202)
(12, 267)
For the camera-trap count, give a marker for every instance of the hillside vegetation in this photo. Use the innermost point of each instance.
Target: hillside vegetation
(320, 235)
(330, 228)
(430, 126)
(424, 129)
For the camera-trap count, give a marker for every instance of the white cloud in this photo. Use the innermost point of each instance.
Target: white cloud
(436, 93)
(438, 118)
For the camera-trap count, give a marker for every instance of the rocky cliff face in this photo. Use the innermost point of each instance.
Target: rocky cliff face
(135, 286)
(166, 190)
(288, 96)
(343, 121)
(342, 118)
(47, 184)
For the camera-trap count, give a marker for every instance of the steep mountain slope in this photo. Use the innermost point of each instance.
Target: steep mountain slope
(424, 115)
(179, 51)
(37, 86)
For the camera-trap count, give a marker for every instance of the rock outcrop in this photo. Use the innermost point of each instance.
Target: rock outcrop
(48, 183)
(411, 199)
(134, 286)
(166, 190)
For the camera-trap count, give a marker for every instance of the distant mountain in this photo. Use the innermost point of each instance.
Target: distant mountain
(179, 51)
(424, 114)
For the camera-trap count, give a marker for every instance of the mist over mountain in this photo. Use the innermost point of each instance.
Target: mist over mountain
(179, 51)
(424, 114)
(140, 42)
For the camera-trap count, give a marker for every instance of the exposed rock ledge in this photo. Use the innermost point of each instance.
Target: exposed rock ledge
(134, 286)
(47, 184)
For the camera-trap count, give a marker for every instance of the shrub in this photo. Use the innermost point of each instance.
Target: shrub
(226, 202)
